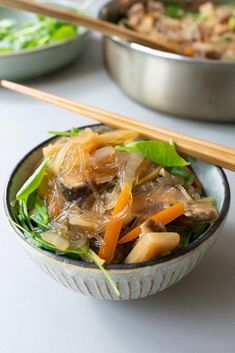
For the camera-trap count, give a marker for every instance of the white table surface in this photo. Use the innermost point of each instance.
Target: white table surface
(37, 315)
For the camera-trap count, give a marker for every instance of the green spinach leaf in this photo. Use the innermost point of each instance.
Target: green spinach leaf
(174, 10)
(39, 213)
(73, 132)
(188, 177)
(156, 151)
(99, 263)
(16, 35)
(33, 182)
(193, 234)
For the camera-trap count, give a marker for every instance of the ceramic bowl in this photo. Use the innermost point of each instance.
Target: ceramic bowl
(30, 63)
(137, 280)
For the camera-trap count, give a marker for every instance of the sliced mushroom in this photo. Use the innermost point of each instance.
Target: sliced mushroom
(172, 24)
(202, 211)
(74, 190)
(152, 226)
(207, 50)
(153, 245)
(223, 13)
(155, 8)
(135, 14)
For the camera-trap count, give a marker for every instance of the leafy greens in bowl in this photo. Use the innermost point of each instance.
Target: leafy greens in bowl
(18, 35)
(63, 224)
(32, 45)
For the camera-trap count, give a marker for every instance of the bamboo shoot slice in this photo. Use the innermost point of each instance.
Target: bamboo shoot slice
(153, 245)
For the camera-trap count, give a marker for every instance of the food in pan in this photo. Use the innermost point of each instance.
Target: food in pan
(112, 197)
(17, 35)
(206, 32)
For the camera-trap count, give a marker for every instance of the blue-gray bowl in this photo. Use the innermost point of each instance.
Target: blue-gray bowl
(133, 280)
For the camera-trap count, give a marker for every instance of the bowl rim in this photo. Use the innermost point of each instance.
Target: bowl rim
(28, 51)
(79, 263)
(160, 53)
(46, 47)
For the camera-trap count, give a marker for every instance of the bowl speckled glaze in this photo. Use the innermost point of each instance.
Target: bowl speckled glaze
(133, 280)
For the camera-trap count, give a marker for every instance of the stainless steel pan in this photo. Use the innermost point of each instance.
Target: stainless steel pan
(189, 87)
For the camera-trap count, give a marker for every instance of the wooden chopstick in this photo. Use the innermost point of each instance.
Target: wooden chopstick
(212, 153)
(105, 27)
(75, 106)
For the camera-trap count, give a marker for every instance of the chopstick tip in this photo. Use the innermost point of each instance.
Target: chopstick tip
(6, 83)
(2, 83)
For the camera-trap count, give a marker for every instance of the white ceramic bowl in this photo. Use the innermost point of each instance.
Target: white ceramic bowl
(133, 280)
(30, 63)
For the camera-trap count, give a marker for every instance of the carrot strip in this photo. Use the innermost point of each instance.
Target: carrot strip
(114, 227)
(169, 214)
(165, 216)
